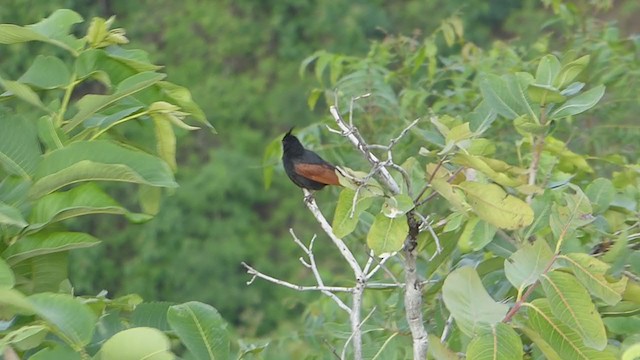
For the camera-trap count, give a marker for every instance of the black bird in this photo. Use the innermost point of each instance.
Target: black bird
(304, 167)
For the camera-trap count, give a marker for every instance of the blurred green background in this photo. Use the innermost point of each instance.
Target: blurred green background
(241, 60)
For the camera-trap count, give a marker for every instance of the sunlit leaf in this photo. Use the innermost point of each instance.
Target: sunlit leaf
(492, 204)
(570, 71)
(600, 192)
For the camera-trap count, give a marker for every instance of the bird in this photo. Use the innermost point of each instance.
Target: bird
(304, 167)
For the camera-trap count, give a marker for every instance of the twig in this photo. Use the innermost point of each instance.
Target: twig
(316, 273)
(447, 329)
(256, 273)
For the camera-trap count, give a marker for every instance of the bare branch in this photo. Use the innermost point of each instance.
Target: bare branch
(447, 329)
(256, 273)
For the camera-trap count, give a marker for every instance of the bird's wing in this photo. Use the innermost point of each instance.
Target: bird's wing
(323, 173)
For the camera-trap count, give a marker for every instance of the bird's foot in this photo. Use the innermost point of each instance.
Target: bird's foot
(308, 198)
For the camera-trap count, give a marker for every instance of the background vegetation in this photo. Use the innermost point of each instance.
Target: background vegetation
(241, 61)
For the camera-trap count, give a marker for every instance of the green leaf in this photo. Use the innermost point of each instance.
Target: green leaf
(544, 94)
(570, 71)
(46, 72)
(556, 339)
(387, 235)
(13, 302)
(548, 70)
(7, 279)
(22, 92)
(600, 192)
(492, 204)
(495, 170)
(42, 244)
(506, 95)
(99, 160)
(19, 148)
(201, 329)
(137, 343)
(165, 139)
(56, 351)
(181, 96)
(343, 223)
(11, 216)
(525, 266)
(564, 220)
(632, 352)
(469, 303)
(90, 104)
(501, 342)
(476, 235)
(82, 200)
(152, 315)
(571, 303)
(55, 30)
(26, 337)
(591, 273)
(454, 196)
(72, 320)
(439, 351)
(397, 205)
(579, 103)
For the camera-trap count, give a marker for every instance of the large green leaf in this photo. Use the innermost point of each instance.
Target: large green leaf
(82, 200)
(579, 103)
(46, 72)
(55, 30)
(592, 273)
(571, 303)
(56, 351)
(72, 320)
(90, 104)
(469, 303)
(42, 244)
(201, 329)
(555, 338)
(19, 148)
(343, 221)
(492, 204)
(548, 69)
(507, 95)
(137, 343)
(501, 342)
(13, 302)
(99, 160)
(42, 273)
(387, 235)
(525, 266)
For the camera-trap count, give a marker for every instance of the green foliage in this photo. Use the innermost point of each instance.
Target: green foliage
(56, 155)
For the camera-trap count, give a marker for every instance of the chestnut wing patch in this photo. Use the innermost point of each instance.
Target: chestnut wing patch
(322, 173)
